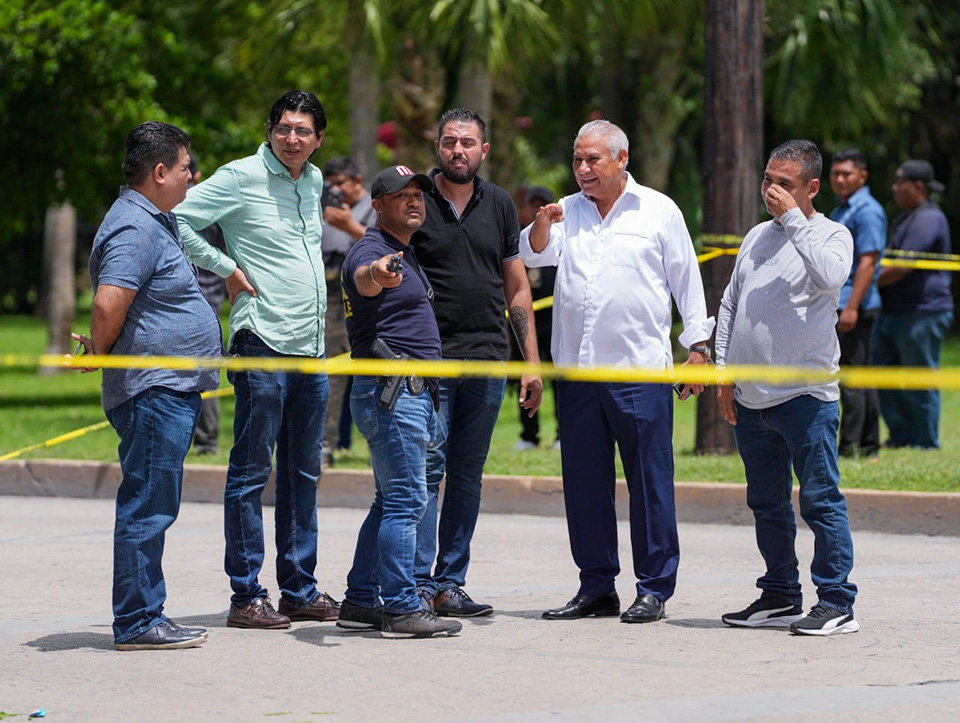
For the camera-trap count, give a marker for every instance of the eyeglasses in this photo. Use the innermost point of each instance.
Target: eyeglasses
(302, 133)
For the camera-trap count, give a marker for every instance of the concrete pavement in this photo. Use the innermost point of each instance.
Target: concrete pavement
(56, 648)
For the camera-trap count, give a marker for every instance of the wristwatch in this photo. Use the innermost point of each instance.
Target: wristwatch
(702, 349)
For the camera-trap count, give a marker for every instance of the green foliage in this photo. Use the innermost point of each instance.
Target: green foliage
(839, 68)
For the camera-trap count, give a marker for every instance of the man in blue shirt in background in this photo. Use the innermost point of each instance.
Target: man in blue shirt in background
(147, 302)
(917, 308)
(859, 299)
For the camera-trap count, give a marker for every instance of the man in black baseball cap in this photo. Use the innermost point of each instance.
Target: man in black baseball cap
(917, 308)
(396, 178)
(922, 171)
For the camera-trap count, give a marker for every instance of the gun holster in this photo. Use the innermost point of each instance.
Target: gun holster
(392, 385)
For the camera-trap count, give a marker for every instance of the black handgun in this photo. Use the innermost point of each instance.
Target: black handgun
(392, 385)
(395, 264)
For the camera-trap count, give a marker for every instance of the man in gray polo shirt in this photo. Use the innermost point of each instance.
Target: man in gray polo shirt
(147, 302)
(780, 309)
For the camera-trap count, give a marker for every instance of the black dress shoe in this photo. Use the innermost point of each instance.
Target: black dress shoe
(645, 609)
(582, 606)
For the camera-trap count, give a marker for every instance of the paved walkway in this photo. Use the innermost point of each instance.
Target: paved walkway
(56, 648)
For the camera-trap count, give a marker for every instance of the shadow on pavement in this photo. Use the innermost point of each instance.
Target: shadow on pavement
(208, 620)
(318, 634)
(58, 642)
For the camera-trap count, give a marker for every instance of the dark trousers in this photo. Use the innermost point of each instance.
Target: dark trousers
(860, 423)
(638, 418)
(207, 434)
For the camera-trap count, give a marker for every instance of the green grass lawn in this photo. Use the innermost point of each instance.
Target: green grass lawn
(35, 408)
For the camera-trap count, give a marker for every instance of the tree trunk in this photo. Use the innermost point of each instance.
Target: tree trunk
(732, 149)
(476, 93)
(59, 253)
(364, 113)
(364, 96)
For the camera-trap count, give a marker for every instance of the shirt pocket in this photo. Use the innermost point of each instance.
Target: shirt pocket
(633, 250)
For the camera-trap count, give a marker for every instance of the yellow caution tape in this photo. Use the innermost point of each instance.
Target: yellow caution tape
(868, 377)
(83, 431)
(720, 239)
(904, 253)
(862, 377)
(921, 264)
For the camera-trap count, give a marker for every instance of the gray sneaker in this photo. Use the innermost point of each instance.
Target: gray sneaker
(418, 624)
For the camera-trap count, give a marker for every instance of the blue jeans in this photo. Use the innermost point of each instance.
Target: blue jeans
(638, 419)
(911, 340)
(155, 429)
(386, 547)
(286, 410)
(468, 413)
(801, 432)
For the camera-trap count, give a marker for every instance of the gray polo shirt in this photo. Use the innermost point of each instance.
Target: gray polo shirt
(780, 308)
(138, 247)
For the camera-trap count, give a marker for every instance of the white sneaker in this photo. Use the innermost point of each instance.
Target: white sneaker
(524, 446)
(556, 445)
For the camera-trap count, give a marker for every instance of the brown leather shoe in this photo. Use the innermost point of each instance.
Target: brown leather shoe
(257, 614)
(322, 607)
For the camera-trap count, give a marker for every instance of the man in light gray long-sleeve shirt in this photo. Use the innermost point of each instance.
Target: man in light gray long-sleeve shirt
(780, 309)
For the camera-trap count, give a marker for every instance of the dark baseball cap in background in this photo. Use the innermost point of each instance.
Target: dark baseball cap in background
(541, 192)
(917, 169)
(396, 178)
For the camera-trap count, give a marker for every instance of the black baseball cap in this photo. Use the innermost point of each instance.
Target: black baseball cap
(917, 169)
(541, 192)
(396, 178)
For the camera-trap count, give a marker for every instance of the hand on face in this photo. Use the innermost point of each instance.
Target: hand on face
(778, 201)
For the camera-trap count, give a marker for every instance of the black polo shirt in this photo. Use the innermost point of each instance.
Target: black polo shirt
(923, 229)
(463, 259)
(401, 316)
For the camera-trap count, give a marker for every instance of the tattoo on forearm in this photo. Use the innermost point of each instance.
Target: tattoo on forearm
(520, 324)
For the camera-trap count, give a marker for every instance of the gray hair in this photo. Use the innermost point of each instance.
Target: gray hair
(800, 151)
(613, 136)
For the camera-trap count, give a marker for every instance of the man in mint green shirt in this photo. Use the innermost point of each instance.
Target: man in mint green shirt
(268, 206)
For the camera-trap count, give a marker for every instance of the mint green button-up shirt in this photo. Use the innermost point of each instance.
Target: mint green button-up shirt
(272, 228)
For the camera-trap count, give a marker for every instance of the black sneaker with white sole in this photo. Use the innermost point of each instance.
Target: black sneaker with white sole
(825, 621)
(766, 612)
(357, 618)
(418, 624)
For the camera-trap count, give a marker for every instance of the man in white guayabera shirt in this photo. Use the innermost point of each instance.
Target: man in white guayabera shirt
(781, 309)
(622, 250)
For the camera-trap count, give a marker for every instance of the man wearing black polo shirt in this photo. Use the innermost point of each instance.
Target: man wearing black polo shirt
(469, 247)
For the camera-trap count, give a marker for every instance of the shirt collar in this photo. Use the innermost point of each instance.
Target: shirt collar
(275, 165)
(859, 197)
(387, 238)
(632, 187)
(137, 198)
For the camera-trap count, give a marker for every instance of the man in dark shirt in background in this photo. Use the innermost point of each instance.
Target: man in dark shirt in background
(469, 247)
(541, 280)
(208, 425)
(344, 223)
(917, 308)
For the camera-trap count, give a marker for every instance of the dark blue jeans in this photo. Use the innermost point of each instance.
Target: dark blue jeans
(285, 410)
(801, 432)
(637, 418)
(910, 340)
(155, 429)
(386, 547)
(468, 413)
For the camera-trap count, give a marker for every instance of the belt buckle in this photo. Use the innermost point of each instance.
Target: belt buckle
(415, 384)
